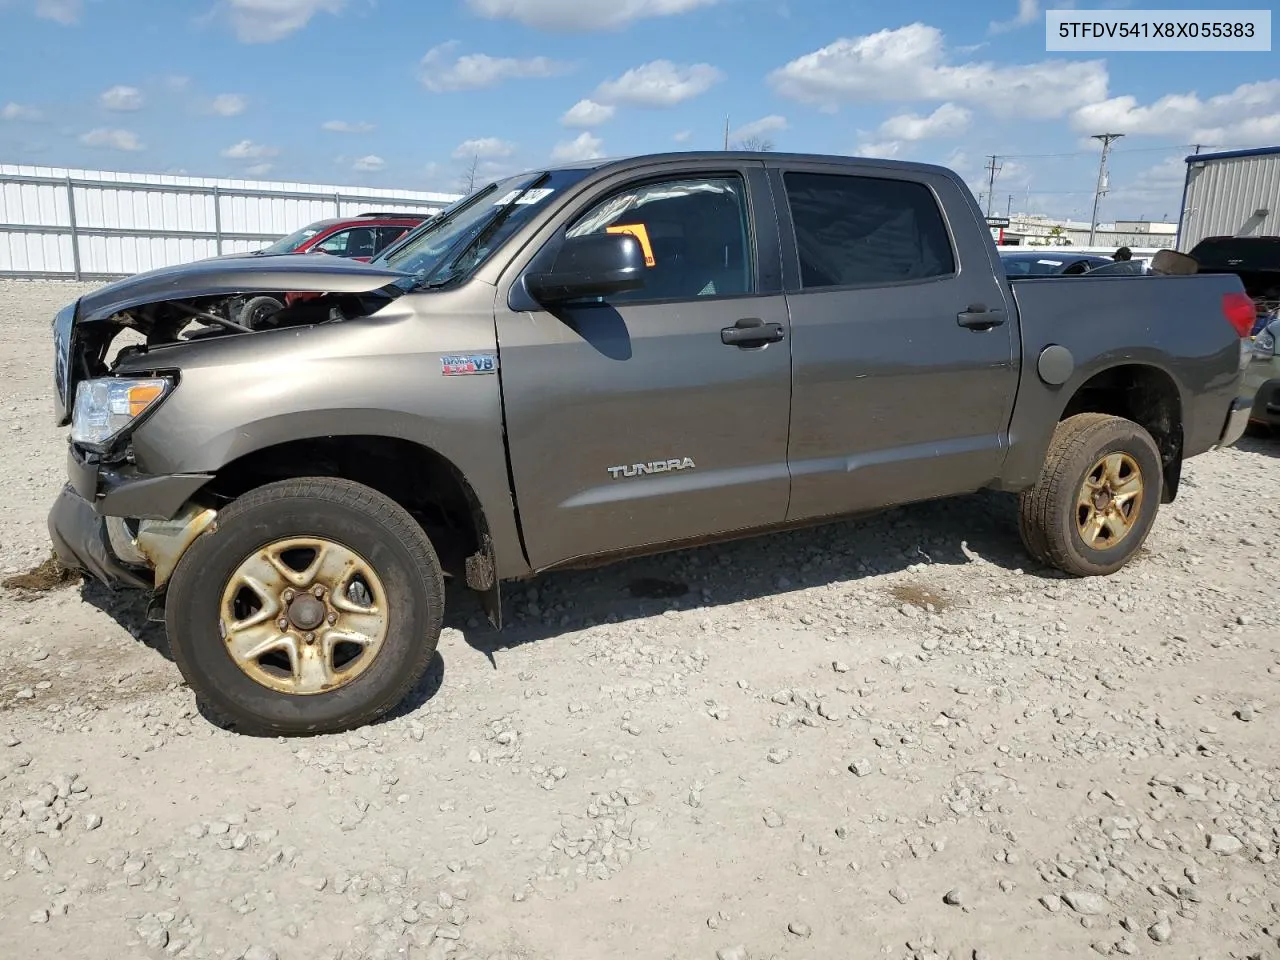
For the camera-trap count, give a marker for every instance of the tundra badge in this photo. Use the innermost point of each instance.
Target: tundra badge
(653, 466)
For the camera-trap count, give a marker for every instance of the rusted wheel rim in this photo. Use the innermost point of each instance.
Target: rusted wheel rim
(1110, 501)
(304, 616)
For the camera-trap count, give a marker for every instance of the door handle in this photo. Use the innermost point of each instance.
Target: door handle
(751, 332)
(978, 317)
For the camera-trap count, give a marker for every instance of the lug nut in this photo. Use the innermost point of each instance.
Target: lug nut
(318, 591)
(288, 596)
(332, 618)
(310, 638)
(283, 623)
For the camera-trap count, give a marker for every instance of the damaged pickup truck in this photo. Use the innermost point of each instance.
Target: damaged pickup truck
(591, 362)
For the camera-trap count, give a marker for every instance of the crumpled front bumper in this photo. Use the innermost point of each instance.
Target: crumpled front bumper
(125, 528)
(81, 542)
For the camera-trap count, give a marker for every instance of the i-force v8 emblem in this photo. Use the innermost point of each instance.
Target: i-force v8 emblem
(653, 466)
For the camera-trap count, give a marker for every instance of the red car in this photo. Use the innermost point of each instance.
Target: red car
(359, 238)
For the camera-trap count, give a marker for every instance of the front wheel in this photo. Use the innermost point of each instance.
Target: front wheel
(1097, 496)
(312, 606)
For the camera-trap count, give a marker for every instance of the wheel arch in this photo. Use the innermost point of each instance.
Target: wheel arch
(1148, 395)
(420, 478)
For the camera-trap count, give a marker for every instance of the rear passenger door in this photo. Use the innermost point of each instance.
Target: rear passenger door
(903, 356)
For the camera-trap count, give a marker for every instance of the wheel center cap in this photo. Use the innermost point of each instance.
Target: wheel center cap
(1102, 500)
(306, 612)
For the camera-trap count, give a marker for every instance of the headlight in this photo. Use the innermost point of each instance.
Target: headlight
(108, 406)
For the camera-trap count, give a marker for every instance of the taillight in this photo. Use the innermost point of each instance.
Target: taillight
(1239, 311)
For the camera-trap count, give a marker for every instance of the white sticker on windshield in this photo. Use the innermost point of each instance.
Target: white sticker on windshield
(532, 196)
(1050, 263)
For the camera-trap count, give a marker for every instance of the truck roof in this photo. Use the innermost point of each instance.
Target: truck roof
(734, 156)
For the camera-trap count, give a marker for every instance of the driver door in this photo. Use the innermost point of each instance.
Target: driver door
(631, 422)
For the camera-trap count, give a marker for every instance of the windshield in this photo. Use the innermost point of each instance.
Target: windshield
(456, 242)
(292, 242)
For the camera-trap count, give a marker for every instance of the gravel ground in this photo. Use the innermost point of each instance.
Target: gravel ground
(882, 738)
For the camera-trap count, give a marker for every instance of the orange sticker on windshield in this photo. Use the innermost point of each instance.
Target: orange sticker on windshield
(641, 233)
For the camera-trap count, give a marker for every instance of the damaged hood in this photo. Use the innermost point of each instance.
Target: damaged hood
(247, 274)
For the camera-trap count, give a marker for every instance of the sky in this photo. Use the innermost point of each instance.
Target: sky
(421, 94)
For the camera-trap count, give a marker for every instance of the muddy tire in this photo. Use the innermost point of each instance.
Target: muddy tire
(1097, 496)
(313, 606)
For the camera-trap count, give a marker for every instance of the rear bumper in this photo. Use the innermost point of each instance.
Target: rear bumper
(1236, 423)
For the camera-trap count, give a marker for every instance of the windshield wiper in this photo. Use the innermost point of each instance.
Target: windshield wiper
(489, 229)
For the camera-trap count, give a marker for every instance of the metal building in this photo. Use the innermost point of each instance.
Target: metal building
(1235, 193)
(93, 224)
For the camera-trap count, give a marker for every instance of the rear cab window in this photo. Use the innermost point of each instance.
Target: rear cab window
(858, 231)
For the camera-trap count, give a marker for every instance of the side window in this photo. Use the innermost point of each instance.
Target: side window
(355, 242)
(387, 235)
(866, 231)
(694, 233)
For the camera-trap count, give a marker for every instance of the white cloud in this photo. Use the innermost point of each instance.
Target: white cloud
(248, 150)
(17, 111)
(112, 139)
(760, 128)
(588, 113)
(121, 98)
(266, 21)
(883, 150)
(947, 121)
(228, 104)
(682, 136)
(177, 81)
(486, 148)
(369, 164)
(660, 83)
(579, 15)
(1247, 116)
(910, 63)
(1028, 13)
(442, 72)
(582, 147)
(65, 12)
(260, 169)
(343, 126)
(895, 133)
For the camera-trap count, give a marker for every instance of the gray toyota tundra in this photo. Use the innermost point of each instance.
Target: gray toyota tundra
(593, 361)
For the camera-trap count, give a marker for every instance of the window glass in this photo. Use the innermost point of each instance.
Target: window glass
(387, 235)
(693, 232)
(866, 230)
(355, 242)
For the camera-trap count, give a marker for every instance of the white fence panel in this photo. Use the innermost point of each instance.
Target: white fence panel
(91, 224)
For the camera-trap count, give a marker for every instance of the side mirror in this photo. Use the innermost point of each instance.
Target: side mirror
(594, 265)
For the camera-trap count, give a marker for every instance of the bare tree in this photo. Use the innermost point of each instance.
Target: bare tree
(469, 178)
(755, 144)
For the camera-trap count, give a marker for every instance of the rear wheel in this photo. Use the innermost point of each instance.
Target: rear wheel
(313, 606)
(1097, 496)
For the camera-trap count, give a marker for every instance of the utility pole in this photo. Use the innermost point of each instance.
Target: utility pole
(992, 169)
(1100, 189)
(1008, 211)
(726, 133)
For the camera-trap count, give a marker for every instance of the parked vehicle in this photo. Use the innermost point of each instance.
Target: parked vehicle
(1263, 376)
(593, 361)
(1024, 263)
(360, 237)
(357, 238)
(1255, 260)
